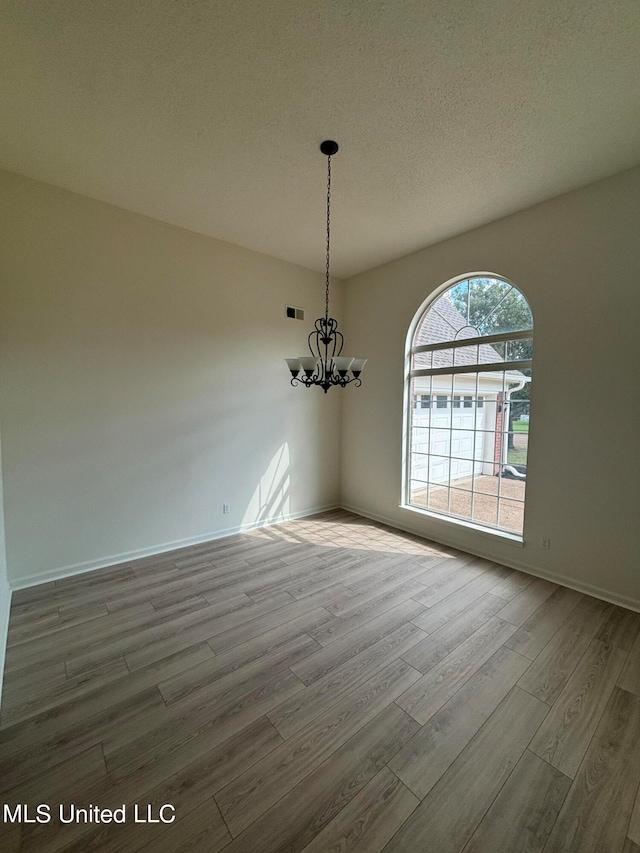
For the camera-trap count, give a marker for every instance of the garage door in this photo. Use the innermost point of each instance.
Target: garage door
(443, 439)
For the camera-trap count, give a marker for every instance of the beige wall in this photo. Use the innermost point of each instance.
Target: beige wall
(5, 591)
(577, 260)
(143, 385)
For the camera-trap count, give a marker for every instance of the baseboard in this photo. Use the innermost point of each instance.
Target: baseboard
(5, 609)
(117, 559)
(63, 572)
(512, 562)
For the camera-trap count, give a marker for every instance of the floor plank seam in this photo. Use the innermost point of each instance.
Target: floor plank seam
(546, 761)
(524, 689)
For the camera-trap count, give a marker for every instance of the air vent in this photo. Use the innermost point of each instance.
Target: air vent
(294, 313)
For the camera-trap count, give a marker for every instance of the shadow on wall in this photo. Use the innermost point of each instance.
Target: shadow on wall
(271, 497)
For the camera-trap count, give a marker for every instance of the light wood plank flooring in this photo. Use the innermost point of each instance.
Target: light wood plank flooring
(329, 684)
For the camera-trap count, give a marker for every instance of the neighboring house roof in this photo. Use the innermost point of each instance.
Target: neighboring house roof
(442, 323)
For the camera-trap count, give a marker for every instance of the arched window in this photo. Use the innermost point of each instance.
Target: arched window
(469, 354)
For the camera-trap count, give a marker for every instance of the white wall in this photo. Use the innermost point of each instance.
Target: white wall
(143, 385)
(5, 591)
(577, 260)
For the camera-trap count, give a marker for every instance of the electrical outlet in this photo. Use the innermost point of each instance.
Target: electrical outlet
(546, 544)
(226, 509)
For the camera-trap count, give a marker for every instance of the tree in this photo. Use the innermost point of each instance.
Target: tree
(492, 306)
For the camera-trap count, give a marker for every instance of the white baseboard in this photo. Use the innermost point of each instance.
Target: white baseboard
(512, 562)
(117, 559)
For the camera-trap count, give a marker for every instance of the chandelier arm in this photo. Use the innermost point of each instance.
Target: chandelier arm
(315, 337)
(339, 338)
(325, 361)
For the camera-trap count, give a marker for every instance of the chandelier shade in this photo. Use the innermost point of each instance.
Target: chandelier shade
(326, 367)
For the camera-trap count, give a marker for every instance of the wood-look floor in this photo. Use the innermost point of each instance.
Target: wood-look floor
(328, 684)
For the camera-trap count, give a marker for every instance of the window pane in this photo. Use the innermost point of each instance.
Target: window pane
(485, 509)
(519, 350)
(462, 445)
(496, 306)
(438, 499)
(420, 442)
(460, 503)
(511, 515)
(485, 451)
(418, 494)
(467, 355)
(419, 473)
(421, 360)
(486, 483)
(439, 440)
(464, 483)
(518, 435)
(443, 322)
(438, 469)
(443, 357)
(511, 488)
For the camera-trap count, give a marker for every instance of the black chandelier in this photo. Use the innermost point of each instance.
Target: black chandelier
(325, 366)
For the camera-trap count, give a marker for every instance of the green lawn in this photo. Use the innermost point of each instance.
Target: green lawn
(518, 456)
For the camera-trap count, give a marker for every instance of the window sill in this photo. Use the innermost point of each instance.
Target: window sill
(511, 538)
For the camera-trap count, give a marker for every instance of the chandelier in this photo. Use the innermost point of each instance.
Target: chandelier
(325, 366)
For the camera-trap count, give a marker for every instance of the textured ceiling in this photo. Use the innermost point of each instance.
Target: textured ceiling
(208, 113)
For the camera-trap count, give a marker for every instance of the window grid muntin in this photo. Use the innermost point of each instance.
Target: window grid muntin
(477, 405)
(498, 338)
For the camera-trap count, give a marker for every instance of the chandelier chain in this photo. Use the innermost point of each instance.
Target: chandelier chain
(326, 310)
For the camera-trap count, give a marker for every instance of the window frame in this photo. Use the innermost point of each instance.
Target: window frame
(410, 373)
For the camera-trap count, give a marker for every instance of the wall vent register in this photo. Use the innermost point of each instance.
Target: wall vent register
(294, 313)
